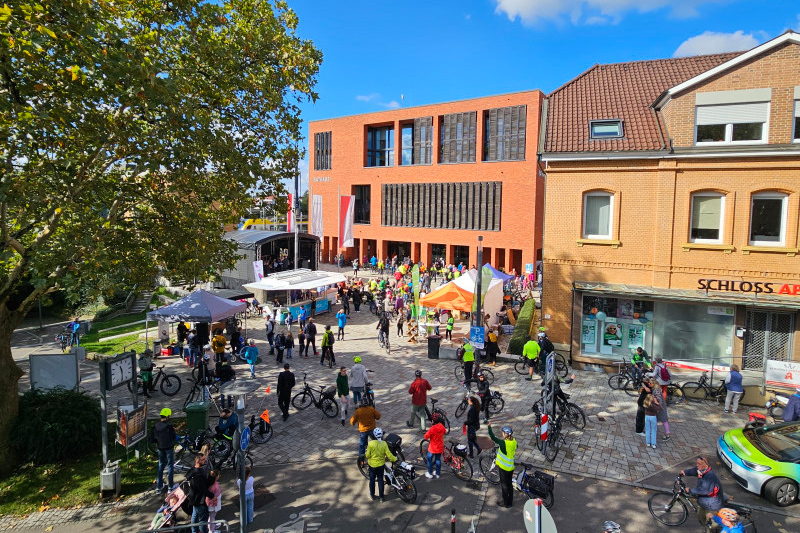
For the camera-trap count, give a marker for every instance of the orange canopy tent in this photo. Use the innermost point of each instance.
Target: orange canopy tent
(449, 296)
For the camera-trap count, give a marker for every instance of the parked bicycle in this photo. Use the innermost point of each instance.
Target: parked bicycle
(555, 439)
(476, 367)
(672, 508)
(434, 409)
(496, 402)
(538, 485)
(185, 451)
(560, 363)
(697, 391)
(574, 414)
(324, 400)
(454, 456)
(775, 405)
(260, 427)
(202, 392)
(170, 384)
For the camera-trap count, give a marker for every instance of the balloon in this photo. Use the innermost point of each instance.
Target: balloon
(635, 315)
(600, 315)
(594, 310)
(643, 320)
(649, 315)
(591, 317)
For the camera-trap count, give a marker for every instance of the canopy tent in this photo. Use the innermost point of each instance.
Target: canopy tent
(457, 295)
(497, 274)
(199, 306)
(298, 279)
(232, 294)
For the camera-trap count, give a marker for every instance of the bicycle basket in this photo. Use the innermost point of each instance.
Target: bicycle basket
(394, 441)
(540, 483)
(408, 469)
(329, 392)
(460, 450)
(496, 394)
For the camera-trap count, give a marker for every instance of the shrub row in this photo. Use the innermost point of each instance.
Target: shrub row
(523, 327)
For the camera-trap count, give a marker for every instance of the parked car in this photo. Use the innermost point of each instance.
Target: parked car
(765, 460)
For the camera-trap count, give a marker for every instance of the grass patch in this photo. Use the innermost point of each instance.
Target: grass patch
(523, 327)
(91, 341)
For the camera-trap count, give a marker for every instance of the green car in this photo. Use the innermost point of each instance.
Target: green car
(765, 460)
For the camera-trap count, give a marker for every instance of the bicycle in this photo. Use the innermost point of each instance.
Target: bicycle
(395, 443)
(539, 485)
(400, 476)
(63, 340)
(185, 453)
(201, 392)
(496, 403)
(560, 364)
(697, 391)
(671, 508)
(574, 414)
(476, 367)
(429, 414)
(325, 400)
(383, 341)
(260, 428)
(617, 381)
(454, 456)
(327, 355)
(170, 383)
(554, 439)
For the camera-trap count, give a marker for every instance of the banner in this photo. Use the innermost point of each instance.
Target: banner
(415, 285)
(316, 215)
(346, 215)
(289, 216)
(783, 373)
(131, 425)
(258, 269)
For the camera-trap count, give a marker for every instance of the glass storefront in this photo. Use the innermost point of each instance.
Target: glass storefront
(614, 327)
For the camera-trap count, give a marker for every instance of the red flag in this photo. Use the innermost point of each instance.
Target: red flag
(265, 416)
(290, 216)
(346, 215)
(267, 389)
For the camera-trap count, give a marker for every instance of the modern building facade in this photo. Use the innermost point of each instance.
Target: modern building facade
(428, 180)
(673, 209)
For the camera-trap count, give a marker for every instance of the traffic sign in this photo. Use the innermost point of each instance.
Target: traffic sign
(545, 523)
(551, 363)
(244, 442)
(477, 336)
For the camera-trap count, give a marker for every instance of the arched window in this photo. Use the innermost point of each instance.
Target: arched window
(768, 219)
(598, 209)
(708, 217)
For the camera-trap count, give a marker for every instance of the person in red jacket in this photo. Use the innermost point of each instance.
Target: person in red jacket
(436, 446)
(419, 397)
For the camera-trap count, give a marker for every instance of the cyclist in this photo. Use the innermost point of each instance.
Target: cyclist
(383, 329)
(639, 361)
(611, 527)
(531, 352)
(365, 415)
(507, 446)
(228, 423)
(468, 358)
(377, 453)
(327, 346)
(708, 490)
(436, 446)
(726, 521)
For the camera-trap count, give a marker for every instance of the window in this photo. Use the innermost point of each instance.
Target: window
(322, 150)
(380, 147)
(796, 135)
(361, 206)
(469, 205)
(597, 210)
(417, 142)
(732, 123)
(457, 137)
(605, 129)
(768, 219)
(708, 210)
(504, 134)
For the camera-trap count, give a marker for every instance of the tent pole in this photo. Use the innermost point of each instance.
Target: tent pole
(146, 331)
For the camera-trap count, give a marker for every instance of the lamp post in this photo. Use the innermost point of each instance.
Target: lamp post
(478, 318)
(241, 452)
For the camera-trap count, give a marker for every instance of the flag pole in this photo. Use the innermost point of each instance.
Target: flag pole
(338, 225)
(295, 209)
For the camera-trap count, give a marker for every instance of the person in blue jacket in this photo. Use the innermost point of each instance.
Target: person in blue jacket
(341, 316)
(792, 410)
(708, 490)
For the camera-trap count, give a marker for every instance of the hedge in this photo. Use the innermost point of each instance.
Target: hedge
(523, 327)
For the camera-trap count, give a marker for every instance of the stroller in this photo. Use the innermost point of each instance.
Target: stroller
(175, 500)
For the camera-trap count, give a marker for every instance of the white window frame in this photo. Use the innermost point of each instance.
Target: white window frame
(721, 217)
(796, 118)
(784, 217)
(617, 121)
(729, 128)
(610, 234)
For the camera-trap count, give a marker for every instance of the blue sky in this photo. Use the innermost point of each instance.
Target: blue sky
(442, 50)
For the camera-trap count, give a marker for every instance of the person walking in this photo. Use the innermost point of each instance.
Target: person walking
(708, 491)
(284, 390)
(327, 346)
(341, 317)
(250, 354)
(507, 447)
(468, 358)
(164, 436)
(249, 495)
(448, 329)
(355, 267)
(376, 454)
(473, 424)
(492, 349)
(280, 346)
(289, 344)
(301, 318)
(365, 416)
(310, 332)
(651, 408)
(358, 379)
(646, 388)
(419, 397)
(401, 319)
(198, 492)
(343, 390)
(435, 436)
(214, 504)
(531, 351)
(270, 326)
(735, 389)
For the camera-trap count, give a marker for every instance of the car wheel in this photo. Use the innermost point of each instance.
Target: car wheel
(781, 491)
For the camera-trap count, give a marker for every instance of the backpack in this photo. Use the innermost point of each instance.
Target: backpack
(664, 373)
(331, 338)
(280, 341)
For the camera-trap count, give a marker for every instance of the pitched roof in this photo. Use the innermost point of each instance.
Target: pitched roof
(618, 91)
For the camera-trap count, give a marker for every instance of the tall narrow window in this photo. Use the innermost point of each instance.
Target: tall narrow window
(361, 208)
(796, 136)
(504, 134)
(416, 142)
(597, 215)
(457, 137)
(407, 144)
(380, 147)
(322, 150)
(708, 211)
(768, 219)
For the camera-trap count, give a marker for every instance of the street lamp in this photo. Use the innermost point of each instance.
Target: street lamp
(477, 320)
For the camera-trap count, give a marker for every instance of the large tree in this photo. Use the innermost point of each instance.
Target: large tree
(132, 131)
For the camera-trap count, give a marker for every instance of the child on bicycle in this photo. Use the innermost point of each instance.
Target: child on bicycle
(726, 521)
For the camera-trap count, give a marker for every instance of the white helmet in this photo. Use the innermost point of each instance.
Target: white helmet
(377, 433)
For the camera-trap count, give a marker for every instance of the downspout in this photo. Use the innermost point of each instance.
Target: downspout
(571, 323)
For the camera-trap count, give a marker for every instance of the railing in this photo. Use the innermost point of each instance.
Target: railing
(186, 527)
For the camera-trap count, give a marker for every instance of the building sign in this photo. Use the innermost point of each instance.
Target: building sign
(783, 373)
(729, 285)
(720, 310)
(322, 180)
(131, 425)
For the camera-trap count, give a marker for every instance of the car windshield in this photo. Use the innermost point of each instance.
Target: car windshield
(780, 442)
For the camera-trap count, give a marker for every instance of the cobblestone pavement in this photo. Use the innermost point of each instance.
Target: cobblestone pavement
(607, 449)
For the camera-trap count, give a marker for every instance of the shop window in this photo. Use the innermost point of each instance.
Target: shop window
(694, 332)
(605, 129)
(708, 216)
(613, 327)
(361, 208)
(380, 147)
(768, 219)
(598, 208)
(732, 123)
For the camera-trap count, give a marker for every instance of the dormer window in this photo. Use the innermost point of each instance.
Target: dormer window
(605, 129)
(732, 117)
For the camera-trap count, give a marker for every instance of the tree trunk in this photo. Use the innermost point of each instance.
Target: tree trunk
(9, 395)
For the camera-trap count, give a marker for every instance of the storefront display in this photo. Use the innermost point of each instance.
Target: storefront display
(623, 324)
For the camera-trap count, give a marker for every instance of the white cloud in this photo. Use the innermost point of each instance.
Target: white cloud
(592, 11)
(377, 99)
(394, 104)
(710, 42)
(367, 97)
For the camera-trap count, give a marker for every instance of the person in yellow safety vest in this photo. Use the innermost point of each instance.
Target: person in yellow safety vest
(531, 352)
(505, 463)
(377, 453)
(448, 334)
(468, 358)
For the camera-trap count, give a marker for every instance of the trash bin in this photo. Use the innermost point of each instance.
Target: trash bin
(111, 478)
(196, 417)
(433, 346)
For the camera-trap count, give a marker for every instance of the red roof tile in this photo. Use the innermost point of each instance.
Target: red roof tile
(618, 91)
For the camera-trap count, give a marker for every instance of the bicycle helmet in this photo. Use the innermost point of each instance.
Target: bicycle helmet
(728, 514)
(611, 527)
(356, 359)
(364, 401)
(507, 430)
(418, 373)
(480, 375)
(377, 433)
(542, 334)
(252, 342)
(166, 412)
(436, 418)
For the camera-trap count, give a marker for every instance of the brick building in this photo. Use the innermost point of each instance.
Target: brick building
(428, 180)
(673, 208)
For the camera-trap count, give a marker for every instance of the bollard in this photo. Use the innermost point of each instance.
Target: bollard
(452, 521)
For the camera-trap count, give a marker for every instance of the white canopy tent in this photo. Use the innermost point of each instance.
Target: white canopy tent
(299, 279)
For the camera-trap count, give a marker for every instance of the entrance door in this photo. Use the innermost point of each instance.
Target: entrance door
(768, 334)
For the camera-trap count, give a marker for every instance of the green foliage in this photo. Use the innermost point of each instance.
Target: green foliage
(522, 328)
(56, 424)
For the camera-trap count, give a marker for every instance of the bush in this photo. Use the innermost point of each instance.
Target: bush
(523, 327)
(56, 424)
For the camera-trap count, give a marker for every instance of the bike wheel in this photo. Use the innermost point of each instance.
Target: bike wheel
(521, 367)
(220, 449)
(170, 385)
(496, 405)
(461, 409)
(232, 358)
(617, 381)
(459, 372)
(423, 449)
(362, 466)
(547, 499)
(461, 467)
(561, 368)
(537, 437)
(139, 386)
(575, 416)
(776, 412)
(489, 375)
(630, 387)
(248, 461)
(551, 450)
(329, 408)
(694, 391)
(489, 468)
(674, 394)
(407, 490)
(261, 431)
(302, 400)
(667, 508)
